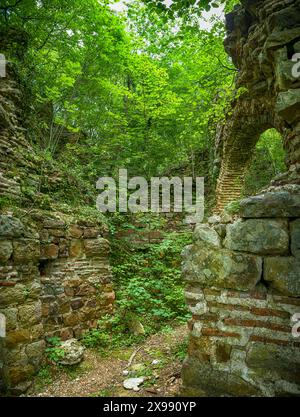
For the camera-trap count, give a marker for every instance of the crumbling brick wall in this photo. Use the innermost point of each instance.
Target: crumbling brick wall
(243, 273)
(243, 290)
(55, 277)
(262, 38)
(55, 280)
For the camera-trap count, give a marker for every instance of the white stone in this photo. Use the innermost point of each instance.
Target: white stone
(133, 383)
(73, 350)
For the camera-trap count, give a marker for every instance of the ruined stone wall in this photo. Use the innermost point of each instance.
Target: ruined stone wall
(55, 277)
(20, 291)
(55, 280)
(243, 288)
(262, 37)
(243, 272)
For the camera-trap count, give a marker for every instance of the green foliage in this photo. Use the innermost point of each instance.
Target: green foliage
(143, 93)
(148, 287)
(44, 377)
(179, 351)
(149, 283)
(6, 202)
(54, 352)
(267, 162)
(96, 338)
(233, 207)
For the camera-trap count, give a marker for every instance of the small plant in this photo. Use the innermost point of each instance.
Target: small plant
(54, 352)
(44, 377)
(233, 207)
(96, 338)
(179, 351)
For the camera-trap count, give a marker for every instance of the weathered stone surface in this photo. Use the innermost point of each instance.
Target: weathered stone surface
(49, 251)
(19, 374)
(282, 203)
(73, 352)
(91, 232)
(94, 247)
(12, 295)
(295, 238)
(30, 313)
(6, 250)
(214, 219)
(133, 383)
(11, 227)
(283, 274)
(206, 235)
(212, 382)
(221, 268)
(270, 356)
(53, 223)
(11, 316)
(260, 236)
(75, 248)
(288, 105)
(35, 352)
(26, 251)
(221, 230)
(75, 231)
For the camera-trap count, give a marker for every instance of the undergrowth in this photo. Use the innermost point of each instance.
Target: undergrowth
(149, 290)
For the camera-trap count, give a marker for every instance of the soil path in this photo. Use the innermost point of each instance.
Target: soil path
(99, 376)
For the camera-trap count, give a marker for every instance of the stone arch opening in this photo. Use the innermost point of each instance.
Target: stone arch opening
(267, 162)
(239, 138)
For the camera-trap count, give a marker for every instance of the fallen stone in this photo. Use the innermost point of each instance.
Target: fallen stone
(73, 352)
(136, 327)
(133, 383)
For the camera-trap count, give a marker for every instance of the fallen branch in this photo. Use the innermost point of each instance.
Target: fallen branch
(133, 356)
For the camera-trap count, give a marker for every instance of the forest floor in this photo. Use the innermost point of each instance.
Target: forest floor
(101, 375)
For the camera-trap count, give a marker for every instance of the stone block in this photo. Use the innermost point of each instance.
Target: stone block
(75, 231)
(295, 237)
(49, 251)
(204, 378)
(26, 251)
(96, 247)
(6, 250)
(75, 250)
(283, 274)
(259, 236)
(221, 268)
(205, 235)
(11, 227)
(271, 356)
(30, 313)
(280, 203)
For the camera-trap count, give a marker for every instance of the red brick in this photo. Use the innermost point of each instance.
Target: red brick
(210, 291)
(249, 294)
(206, 317)
(218, 333)
(227, 306)
(262, 339)
(288, 300)
(256, 323)
(7, 284)
(269, 312)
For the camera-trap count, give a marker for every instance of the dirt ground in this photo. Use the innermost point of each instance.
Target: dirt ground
(99, 376)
